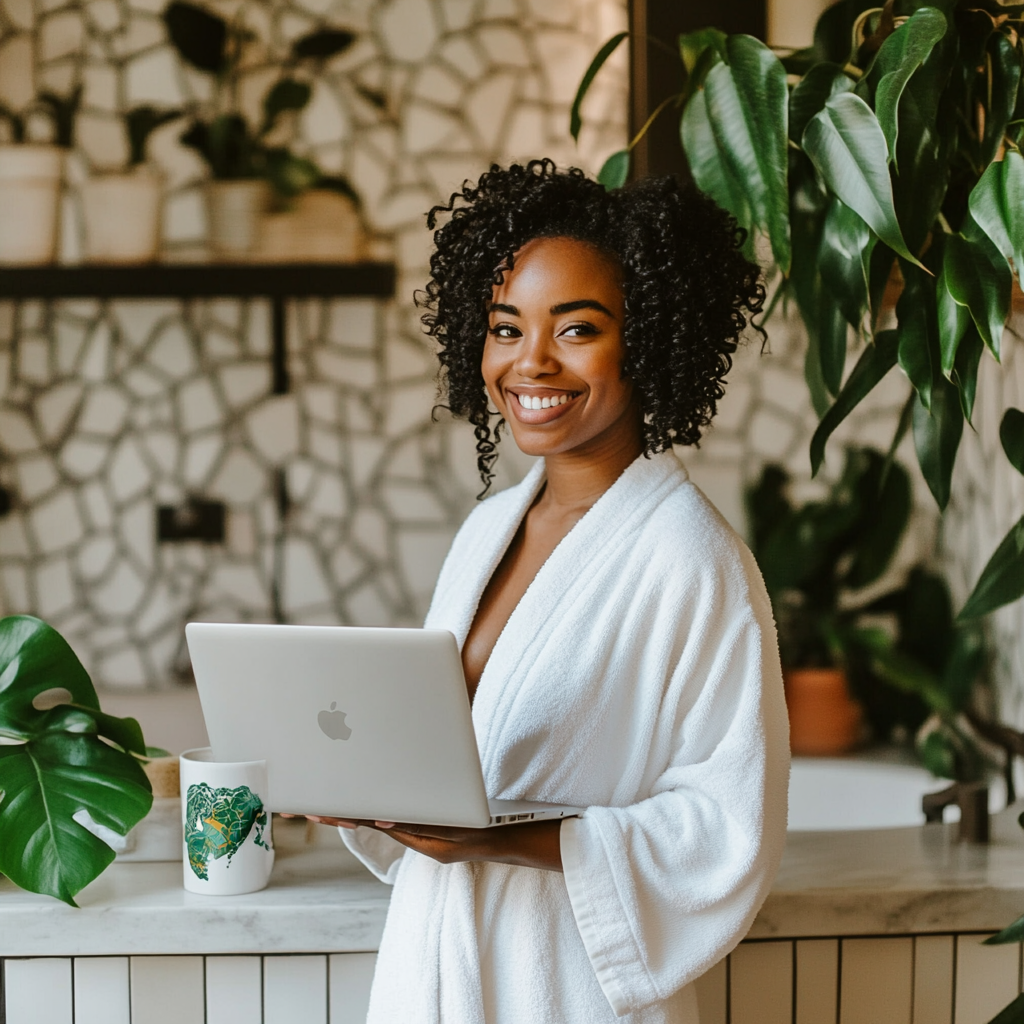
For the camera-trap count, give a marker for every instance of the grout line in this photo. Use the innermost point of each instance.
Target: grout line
(952, 1008)
(839, 981)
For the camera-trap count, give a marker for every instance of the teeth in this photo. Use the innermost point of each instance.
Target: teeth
(529, 402)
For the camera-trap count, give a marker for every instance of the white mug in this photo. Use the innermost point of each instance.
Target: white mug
(228, 848)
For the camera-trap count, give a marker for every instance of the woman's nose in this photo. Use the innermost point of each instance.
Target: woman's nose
(536, 356)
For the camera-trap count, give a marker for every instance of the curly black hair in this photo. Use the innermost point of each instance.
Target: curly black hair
(689, 290)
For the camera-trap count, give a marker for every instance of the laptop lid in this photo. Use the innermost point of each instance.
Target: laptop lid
(352, 722)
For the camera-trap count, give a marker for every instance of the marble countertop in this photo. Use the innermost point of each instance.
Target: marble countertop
(892, 881)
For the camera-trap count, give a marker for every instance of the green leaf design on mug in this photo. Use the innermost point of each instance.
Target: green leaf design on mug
(217, 823)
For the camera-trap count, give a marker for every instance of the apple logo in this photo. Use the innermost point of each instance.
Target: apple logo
(332, 723)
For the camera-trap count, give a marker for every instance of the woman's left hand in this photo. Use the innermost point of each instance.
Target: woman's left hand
(535, 844)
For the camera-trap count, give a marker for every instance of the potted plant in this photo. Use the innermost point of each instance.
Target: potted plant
(67, 770)
(244, 162)
(31, 175)
(889, 150)
(122, 208)
(851, 656)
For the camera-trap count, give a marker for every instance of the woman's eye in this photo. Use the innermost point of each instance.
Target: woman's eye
(579, 331)
(504, 331)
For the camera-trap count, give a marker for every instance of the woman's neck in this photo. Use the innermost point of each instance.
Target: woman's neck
(576, 479)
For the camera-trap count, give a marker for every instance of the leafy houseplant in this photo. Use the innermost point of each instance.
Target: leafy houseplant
(122, 209)
(232, 149)
(30, 179)
(904, 657)
(58, 761)
(890, 149)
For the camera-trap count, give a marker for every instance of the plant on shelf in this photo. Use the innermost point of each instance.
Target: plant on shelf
(232, 148)
(889, 150)
(121, 208)
(905, 660)
(31, 174)
(62, 762)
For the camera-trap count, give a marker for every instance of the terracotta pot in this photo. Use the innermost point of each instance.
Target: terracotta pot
(30, 181)
(823, 717)
(122, 217)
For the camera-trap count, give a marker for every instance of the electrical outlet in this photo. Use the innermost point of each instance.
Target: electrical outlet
(196, 519)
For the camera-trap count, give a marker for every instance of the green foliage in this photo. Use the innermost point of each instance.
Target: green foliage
(231, 148)
(62, 110)
(140, 123)
(65, 759)
(894, 142)
(905, 657)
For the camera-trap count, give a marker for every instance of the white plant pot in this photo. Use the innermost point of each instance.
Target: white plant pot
(122, 217)
(323, 226)
(235, 210)
(30, 184)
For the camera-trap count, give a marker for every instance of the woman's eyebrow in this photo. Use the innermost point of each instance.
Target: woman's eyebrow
(501, 307)
(571, 307)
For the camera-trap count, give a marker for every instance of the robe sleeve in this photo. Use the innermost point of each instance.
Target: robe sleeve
(379, 853)
(661, 890)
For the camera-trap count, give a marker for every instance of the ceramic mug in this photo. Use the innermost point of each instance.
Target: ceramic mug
(228, 848)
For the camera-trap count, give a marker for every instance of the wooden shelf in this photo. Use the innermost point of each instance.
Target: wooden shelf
(199, 280)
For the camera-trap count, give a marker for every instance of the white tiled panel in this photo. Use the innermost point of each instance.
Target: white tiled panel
(987, 978)
(761, 983)
(350, 977)
(102, 994)
(877, 981)
(38, 991)
(167, 990)
(933, 979)
(294, 989)
(234, 989)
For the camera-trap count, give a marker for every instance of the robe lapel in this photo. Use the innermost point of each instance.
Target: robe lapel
(619, 513)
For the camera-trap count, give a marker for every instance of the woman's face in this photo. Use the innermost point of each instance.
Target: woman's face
(553, 357)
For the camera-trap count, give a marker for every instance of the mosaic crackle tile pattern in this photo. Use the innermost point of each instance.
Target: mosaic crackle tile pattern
(107, 411)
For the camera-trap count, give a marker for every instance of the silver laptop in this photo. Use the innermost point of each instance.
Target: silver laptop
(352, 722)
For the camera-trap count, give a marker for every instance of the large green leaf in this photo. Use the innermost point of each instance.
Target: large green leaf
(937, 433)
(875, 362)
(977, 278)
(812, 92)
(45, 783)
(322, 44)
(747, 105)
(847, 146)
(953, 320)
(997, 206)
(1011, 933)
(615, 170)
(844, 258)
(64, 763)
(602, 55)
(918, 332)
(710, 171)
(199, 36)
(965, 369)
(1002, 579)
(1004, 64)
(899, 57)
(1011, 435)
(694, 45)
(286, 94)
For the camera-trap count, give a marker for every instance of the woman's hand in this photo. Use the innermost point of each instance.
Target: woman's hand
(533, 845)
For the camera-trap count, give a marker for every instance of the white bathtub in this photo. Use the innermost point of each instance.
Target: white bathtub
(855, 793)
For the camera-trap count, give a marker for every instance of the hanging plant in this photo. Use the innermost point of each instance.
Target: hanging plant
(887, 151)
(65, 768)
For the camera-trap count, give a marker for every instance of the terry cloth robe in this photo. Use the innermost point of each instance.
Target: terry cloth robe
(638, 678)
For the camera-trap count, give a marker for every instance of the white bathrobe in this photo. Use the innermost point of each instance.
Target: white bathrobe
(639, 678)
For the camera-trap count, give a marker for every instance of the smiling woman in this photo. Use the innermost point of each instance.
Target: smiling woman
(616, 638)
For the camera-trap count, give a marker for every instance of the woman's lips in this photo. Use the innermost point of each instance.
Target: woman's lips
(559, 405)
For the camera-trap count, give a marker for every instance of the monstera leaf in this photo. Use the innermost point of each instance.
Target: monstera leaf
(65, 762)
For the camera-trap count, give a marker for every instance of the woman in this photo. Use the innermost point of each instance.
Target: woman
(617, 640)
